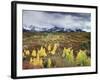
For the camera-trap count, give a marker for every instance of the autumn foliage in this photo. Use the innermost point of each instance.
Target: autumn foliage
(43, 57)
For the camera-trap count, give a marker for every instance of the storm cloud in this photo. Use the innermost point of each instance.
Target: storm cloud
(46, 19)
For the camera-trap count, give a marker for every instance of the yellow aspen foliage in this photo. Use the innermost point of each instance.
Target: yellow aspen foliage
(81, 58)
(34, 53)
(53, 52)
(27, 52)
(41, 62)
(54, 49)
(42, 52)
(68, 54)
(71, 56)
(64, 52)
(49, 63)
(49, 47)
(31, 60)
(39, 52)
(37, 57)
(36, 61)
(41, 48)
(88, 61)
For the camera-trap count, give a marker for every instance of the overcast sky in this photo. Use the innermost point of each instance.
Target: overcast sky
(62, 19)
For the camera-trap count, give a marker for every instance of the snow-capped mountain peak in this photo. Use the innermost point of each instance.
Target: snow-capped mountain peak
(50, 28)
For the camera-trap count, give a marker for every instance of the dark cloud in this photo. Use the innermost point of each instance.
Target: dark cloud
(62, 19)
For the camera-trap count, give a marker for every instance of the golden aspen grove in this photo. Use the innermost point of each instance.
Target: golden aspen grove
(56, 50)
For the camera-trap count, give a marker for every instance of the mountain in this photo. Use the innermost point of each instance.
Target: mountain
(34, 28)
(56, 29)
(25, 30)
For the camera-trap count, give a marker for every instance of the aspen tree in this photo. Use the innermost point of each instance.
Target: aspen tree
(34, 53)
(49, 63)
(81, 58)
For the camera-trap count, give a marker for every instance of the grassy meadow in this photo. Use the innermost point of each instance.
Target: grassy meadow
(56, 49)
